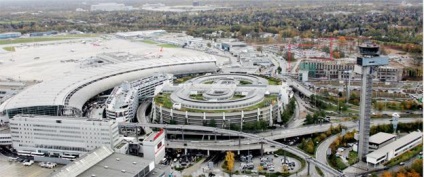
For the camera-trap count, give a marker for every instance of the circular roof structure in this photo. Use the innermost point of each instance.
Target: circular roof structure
(224, 92)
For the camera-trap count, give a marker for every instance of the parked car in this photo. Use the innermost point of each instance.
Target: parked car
(29, 163)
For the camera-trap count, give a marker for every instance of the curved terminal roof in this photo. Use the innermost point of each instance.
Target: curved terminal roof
(74, 90)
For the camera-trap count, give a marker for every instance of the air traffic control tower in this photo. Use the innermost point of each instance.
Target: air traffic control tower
(366, 65)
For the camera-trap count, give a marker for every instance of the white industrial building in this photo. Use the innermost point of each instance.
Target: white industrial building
(140, 34)
(122, 103)
(110, 7)
(154, 146)
(395, 148)
(104, 162)
(379, 140)
(61, 135)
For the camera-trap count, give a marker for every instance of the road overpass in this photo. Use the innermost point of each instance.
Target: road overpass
(298, 86)
(258, 138)
(251, 141)
(272, 135)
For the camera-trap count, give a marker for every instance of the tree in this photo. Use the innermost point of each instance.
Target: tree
(229, 159)
(279, 69)
(342, 41)
(310, 147)
(289, 56)
(386, 174)
(414, 174)
(417, 166)
(309, 119)
(209, 44)
(400, 174)
(212, 123)
(259, 49)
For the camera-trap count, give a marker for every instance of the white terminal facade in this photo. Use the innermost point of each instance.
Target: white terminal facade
(47, 117)
(61, 135)
(123, 101)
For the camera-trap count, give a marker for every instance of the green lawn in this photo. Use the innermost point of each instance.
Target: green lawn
(149, 41)
(242, 82)
(183, 79)
(235, 97)
(208, 82)
(165, 101)
(319, 171)
(45, 38)
(168, 46)
(10, 48)
(353, 157)
(340, 164)
(197, 97)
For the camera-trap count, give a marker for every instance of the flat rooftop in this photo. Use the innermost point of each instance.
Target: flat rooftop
(104, 162)
(381, 137)
(396, 144)
(131, 164)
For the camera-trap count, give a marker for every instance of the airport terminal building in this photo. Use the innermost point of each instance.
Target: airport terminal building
(67, 96)
(225, 98)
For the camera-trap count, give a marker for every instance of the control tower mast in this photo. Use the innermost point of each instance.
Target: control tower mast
(369, 61)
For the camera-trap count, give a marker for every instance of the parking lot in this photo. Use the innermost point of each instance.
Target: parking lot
(12, 169)
(269, 163)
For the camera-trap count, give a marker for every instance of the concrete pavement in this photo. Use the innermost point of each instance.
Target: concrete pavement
(321, 152)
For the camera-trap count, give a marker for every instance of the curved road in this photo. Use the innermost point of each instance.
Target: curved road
(141, 117)
(253, 137)
(321, 152)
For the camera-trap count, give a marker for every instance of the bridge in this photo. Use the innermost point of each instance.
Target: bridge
(258, 138)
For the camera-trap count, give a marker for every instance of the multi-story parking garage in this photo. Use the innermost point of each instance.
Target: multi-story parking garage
(67, 95)
(224, 98)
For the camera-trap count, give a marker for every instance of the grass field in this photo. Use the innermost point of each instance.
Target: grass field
(168, 46)
(149, 41)
(45, 38)
(10, 49)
